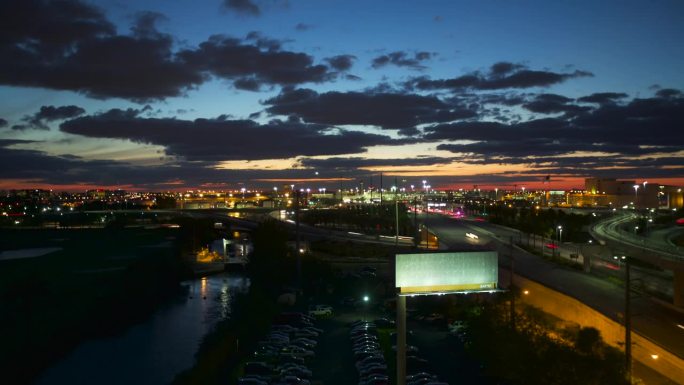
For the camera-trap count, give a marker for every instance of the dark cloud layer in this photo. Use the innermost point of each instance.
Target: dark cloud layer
(640, 127)
(502, 75)
(223, 139)
(47, 114)
(303, 27)
(603, 97)
(229, 58)
(245, 7)
(341, 62)
(386, 110)
(70, 45)
(52, 113)
(402, 59)
(552, 103)
(354, 163)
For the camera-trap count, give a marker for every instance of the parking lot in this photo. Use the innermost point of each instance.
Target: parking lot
(334, 362)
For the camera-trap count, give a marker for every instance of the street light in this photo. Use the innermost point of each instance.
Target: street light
(636, 195)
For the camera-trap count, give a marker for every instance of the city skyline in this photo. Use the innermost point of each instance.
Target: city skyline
(157, 95)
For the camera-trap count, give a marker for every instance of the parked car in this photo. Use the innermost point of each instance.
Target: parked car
(320, 311)
(360, 322)
(303, 343)
(251, 381)
(377, 379)
(313, 329)
(291, 358)
(366, 353)
(298, 371)
(418, 375)
(257, 367)
(409, 349)
(306, 340)
(374, 370)
(384, 323)
(456, 326)
(297, 350)
(284, 328)
(379, 359)
(305, 334)
(292, 380)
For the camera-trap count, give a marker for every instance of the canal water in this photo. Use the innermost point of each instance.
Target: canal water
(154, 351)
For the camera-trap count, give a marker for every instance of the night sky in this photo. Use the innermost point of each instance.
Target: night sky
(181, 94)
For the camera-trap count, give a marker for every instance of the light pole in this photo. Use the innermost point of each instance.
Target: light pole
(636, 196)
(396, 215)
(628, 322)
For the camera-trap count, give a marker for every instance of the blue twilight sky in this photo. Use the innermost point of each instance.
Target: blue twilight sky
(173, 94)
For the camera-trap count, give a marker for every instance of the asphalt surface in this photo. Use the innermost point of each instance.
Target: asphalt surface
(334, 363)
(650, 319)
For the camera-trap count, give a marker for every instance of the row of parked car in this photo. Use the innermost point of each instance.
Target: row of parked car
(283, 355)
(370, 361)
(417, 368)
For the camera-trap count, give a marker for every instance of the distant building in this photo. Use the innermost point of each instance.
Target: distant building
(671, 197)
(610, 192)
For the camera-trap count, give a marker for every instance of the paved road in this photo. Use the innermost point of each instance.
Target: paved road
(666, 236)
(611, 229)
(650, 319)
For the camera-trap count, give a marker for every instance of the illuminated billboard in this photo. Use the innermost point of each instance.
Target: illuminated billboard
(448, 272)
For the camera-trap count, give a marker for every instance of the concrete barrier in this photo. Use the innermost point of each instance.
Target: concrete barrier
(567, 308)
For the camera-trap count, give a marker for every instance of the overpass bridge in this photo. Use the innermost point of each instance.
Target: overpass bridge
(658, 253)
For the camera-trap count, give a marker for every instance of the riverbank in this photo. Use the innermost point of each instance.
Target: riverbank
(97, 284)
(155, 350)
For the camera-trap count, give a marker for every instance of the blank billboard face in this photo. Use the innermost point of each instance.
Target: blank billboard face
(449, 272)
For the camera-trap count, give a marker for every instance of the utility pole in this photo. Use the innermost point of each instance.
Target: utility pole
(380, 191)
(510, 285)
(297, 242)
(415, 219)
(371, 192)
(628, 324)
(396, 212)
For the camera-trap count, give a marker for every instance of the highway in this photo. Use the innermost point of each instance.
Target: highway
(610, 230)
(658, 323)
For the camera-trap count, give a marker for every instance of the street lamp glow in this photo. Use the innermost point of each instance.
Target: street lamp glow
(365, 298)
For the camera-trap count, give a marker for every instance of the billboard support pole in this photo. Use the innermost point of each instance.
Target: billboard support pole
(511, 287)
(401, 340)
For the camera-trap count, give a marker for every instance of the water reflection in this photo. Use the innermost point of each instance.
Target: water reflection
(154, 351)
